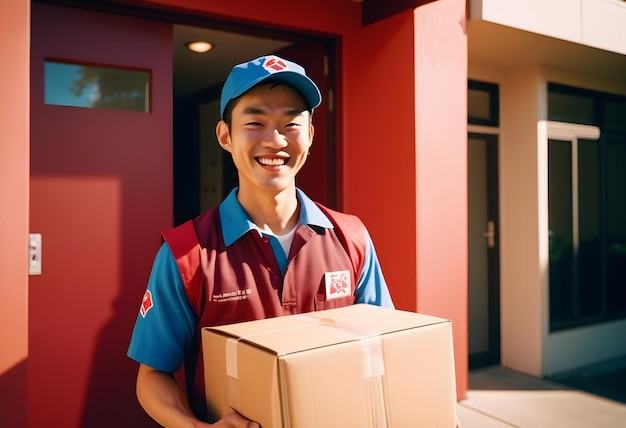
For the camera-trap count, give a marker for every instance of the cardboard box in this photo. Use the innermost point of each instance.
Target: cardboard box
(358, 366)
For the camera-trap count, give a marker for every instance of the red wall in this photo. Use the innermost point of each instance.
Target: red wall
(14, 158)
(441, 154)
(379, 146)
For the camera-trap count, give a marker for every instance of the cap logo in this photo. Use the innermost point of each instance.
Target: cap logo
(274, 64)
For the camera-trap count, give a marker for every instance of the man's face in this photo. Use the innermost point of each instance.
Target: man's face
(269, 137)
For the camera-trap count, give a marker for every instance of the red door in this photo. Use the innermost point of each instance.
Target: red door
(101, 191)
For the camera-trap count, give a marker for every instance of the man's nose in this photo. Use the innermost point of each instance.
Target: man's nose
(275, 139)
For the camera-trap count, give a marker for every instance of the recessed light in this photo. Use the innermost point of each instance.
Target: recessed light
(199, 46)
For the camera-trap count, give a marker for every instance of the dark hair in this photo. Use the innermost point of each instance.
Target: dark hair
(228, 110)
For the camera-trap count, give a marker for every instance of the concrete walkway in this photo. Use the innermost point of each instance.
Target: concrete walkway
(501, 398)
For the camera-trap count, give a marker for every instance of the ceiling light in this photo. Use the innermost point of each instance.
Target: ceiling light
(199, 47)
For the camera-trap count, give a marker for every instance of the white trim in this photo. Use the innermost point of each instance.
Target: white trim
(569, 131)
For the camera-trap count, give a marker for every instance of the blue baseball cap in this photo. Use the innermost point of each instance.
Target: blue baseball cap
(248, 74)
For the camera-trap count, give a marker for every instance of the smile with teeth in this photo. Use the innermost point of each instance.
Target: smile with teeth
(272, 161)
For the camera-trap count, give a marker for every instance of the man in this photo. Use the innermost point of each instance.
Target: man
(266, 251)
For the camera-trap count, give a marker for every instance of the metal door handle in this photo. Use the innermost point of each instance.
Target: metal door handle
(490, 234)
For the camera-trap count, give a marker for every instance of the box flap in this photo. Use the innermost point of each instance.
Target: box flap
(318, 329)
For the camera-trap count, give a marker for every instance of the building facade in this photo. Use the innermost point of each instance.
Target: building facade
(558, 72)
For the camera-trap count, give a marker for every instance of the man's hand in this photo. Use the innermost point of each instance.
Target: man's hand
(235, 420)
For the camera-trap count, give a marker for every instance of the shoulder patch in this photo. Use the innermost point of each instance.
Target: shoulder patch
(146, 303)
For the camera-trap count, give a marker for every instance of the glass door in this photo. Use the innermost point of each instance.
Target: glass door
(483, 252)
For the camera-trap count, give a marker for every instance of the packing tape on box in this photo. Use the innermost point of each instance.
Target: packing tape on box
(232, 373)
(372, 367)
(371, 345)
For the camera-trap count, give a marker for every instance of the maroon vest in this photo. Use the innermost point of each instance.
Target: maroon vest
(243, 282)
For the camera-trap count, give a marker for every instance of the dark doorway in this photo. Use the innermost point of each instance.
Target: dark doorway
(203, 172)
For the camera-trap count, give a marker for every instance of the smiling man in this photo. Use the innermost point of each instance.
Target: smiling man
(266, 251)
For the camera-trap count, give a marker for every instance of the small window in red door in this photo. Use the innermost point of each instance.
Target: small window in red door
(96, 87)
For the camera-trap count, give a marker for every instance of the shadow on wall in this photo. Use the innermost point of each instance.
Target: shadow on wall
(110, 399)
(13, 396)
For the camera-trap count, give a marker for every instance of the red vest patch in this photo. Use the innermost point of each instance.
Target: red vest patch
(337, 284)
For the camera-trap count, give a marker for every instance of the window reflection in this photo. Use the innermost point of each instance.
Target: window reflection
(482, 103)
(479, 104)
(573, 108)
(587, 208)
(95, 87)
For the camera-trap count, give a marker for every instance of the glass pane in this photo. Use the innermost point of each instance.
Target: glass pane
(571, 108)
(615, 114)
(589, 251)
(560, 225)
(479, 104)
(478, 252)
(87, 86)
(616, 226)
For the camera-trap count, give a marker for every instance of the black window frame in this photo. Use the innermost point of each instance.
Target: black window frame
(493, 91)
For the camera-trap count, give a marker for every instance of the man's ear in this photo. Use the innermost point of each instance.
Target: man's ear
(223, 135)
(311, 133)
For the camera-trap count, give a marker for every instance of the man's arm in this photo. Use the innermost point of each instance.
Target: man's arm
(164, 400)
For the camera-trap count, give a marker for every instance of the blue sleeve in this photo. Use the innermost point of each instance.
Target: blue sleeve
(371, 287)
(166, 322)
